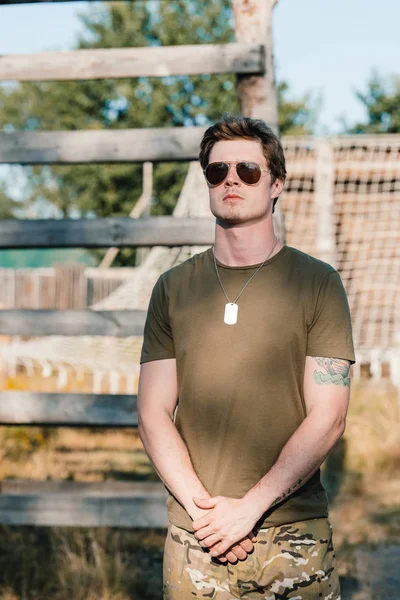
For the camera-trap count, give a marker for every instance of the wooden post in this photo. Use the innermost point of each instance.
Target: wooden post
(324, 200)
(71, 285)
(257, 93)
(142, 208)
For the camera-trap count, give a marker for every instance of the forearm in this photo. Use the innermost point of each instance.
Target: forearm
(170, 458)
(299, 459)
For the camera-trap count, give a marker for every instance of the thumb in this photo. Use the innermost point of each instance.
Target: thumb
(204, 502)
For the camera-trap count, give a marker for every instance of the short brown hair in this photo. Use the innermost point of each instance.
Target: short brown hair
(231, 128)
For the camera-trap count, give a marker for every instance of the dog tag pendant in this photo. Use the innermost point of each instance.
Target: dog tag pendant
(231, 311)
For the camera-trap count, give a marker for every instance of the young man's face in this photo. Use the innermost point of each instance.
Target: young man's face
(233, 201)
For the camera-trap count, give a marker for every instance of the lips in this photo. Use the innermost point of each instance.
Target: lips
(232, 196)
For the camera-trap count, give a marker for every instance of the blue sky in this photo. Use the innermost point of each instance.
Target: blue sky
(329, 48)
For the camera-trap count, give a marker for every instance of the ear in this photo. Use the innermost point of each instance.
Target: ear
(277, 187)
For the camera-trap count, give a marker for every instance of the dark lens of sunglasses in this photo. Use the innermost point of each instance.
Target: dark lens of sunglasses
(216, 172)
(248, 172)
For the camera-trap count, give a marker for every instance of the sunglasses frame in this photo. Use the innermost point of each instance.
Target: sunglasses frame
(230, 163)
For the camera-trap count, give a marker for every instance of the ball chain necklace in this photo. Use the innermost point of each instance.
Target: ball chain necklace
(231, 309)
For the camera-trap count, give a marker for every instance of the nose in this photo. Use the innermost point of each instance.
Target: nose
(232, 178)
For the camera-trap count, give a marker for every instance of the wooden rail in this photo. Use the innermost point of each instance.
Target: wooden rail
(102, 233)
(5, 2)
(117, 323)
(85, 410)
(109, 504)
(161, 61)
(102, 146)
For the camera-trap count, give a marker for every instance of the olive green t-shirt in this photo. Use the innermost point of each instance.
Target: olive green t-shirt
(240, 386)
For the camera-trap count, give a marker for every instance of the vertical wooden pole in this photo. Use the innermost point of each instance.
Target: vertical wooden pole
(253, 24)
(324, 199)
(257, 93)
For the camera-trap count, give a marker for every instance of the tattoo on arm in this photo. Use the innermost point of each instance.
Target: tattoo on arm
(290, 491)
(333, 370)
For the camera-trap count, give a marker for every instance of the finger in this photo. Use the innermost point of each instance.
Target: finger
(201, 522)
(239, 552)
(219, 548)
(247, 545)
(232, 558)
(227, 557)
(203, 533)
(209, 541)
(221, 558)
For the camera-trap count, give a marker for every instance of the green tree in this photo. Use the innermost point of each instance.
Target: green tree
(382, 103)
(93, 190)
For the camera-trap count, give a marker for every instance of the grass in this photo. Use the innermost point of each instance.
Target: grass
(361, 476)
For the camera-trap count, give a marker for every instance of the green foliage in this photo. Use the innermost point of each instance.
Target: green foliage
(7, 205)
(295, 117)
(112, 190)
(382, 103)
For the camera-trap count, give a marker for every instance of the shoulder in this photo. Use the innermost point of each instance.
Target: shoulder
(309, 267)
(185, 269)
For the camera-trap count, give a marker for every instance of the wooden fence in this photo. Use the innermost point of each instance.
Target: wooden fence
(117, 504)
(67, 286)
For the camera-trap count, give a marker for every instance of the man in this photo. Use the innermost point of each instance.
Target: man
(251, 342)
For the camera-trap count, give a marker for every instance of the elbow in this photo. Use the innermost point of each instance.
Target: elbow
(340, 427)
(141, 428)
(151, 422)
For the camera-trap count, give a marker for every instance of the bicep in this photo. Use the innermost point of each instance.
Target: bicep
(158, 388)
(327, 386)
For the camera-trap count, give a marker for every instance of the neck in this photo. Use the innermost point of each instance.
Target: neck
(245, 244)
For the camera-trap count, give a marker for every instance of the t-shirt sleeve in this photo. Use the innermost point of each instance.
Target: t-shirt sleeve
(330, 331)
(158, 341)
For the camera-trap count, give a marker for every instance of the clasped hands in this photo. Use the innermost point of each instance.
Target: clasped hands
(227, 527)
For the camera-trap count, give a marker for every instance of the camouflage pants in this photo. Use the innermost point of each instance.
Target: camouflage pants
(294, 561)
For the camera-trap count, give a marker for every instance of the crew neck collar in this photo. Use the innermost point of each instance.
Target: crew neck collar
(210, 253)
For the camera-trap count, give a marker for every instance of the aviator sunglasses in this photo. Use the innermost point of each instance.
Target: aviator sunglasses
(248, 172)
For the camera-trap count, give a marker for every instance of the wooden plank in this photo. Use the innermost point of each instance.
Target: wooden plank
(70, 409)
(367, 164)
(4, 2)
(257, 92)
(156, 144)
(157, 61)
(324, 198)
(149, 489)
(77, 511)
(105, 232)
(72, 322)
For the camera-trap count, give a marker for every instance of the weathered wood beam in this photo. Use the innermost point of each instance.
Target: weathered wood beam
(141, 509)
(110, 487)
(160, 61)
(115, 323)
(324, 195)
(106, 232)
(4, 2)
(257, 94)
(70, 409)
(104, 146)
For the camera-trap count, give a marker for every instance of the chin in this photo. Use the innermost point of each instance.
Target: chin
(233, 214)
(229, 216)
